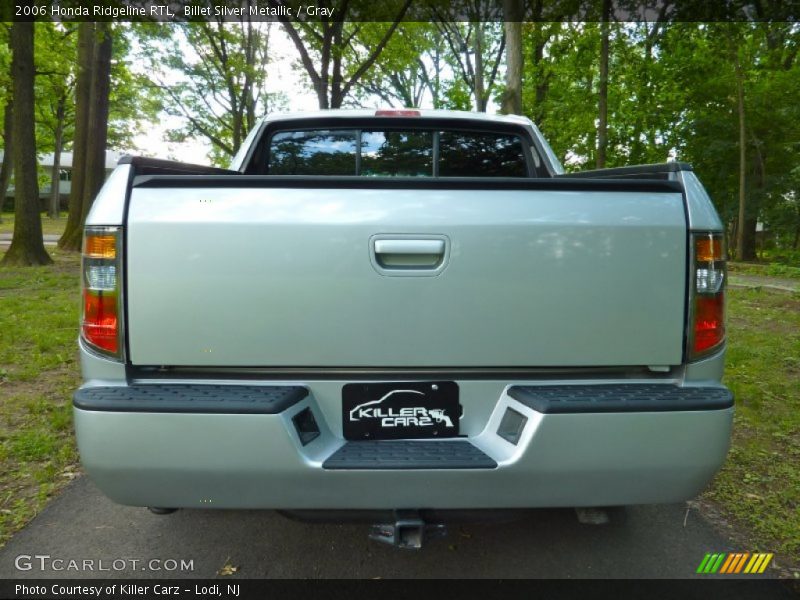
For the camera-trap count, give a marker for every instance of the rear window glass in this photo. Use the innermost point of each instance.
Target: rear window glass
(480, 155)
(396, 153)
(313, 153)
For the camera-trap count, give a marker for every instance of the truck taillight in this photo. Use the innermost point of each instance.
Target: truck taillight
(102, 297)
(708, 295)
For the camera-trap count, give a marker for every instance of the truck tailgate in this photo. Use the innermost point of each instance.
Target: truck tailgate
(390, 277)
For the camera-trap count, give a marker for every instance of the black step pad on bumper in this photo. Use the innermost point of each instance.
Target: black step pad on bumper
(560, 399)
(180, 398)
(409, 454)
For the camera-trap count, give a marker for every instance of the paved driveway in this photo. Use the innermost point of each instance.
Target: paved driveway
(82, 524)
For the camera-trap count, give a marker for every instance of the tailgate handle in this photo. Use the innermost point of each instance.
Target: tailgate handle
(414, 247)
(409, 255)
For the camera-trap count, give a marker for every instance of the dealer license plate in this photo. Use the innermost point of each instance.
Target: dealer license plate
(402, 410)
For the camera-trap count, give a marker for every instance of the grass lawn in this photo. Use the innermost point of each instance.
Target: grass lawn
(53, 226)
(38, 372)
(758, 489)
(770, 269)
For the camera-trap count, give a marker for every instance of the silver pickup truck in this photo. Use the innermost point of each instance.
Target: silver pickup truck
(403, 311)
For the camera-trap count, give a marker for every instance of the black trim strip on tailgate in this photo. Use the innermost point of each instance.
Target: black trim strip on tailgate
(570, 399)
(190, 398)
(146, 374)
(407, 183)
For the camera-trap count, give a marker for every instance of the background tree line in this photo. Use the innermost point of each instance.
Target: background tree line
(606, 92)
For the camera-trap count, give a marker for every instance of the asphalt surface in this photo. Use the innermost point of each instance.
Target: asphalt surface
(81, 524)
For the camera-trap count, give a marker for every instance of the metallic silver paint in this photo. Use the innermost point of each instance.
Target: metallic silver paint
(108, 207)
(702, 214)
(95, 367)
(283, 277)
(257, 461)
(709, 369)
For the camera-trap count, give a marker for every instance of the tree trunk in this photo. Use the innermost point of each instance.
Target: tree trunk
(336, 90)
(512, 96)
(602, 117)
(237, 131)
(27, 246)
(98, 119)
(8, 154)
(744, 251)
(541, 82)
(71, 239)
(436, 84)
(480, 100)
(55, 178)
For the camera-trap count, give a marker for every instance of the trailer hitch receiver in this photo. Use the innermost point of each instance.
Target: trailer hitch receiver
(409, 531)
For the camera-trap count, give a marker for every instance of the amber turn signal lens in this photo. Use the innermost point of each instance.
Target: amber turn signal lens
(100, 246)
(709, 249)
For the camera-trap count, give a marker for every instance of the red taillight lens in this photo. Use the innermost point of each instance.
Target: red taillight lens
(709, 322)
(100, 324)
(100, 317)
(708, 294)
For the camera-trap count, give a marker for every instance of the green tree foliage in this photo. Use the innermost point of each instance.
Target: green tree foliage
(672, 93)
(409, 72)
(213, 75)
(476, 51)
(54, 87)
(336, 54)
(134, 103)
(708, 134)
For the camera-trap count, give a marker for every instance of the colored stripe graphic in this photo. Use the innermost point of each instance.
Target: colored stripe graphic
(726, 566)
(766, 562)
(737, 557)
(703, 563)
(754, 563)
(734, 563)
(710, 563)
(730, 564)
(741, 561)
(718, 563)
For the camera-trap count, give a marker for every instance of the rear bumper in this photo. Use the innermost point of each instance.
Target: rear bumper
(162, 454)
